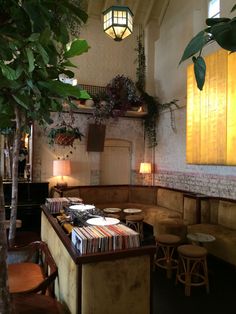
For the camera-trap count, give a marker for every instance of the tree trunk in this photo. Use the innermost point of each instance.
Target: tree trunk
(15, 161)
(4, 291)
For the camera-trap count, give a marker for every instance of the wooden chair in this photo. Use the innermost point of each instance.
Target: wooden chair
(31, 268)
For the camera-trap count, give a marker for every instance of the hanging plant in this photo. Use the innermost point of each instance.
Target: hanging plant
(64, 133)
(119, 96)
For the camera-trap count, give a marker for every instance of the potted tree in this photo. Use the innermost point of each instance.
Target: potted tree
(34, 40)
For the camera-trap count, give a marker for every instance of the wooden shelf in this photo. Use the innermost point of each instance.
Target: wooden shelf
(130, 113)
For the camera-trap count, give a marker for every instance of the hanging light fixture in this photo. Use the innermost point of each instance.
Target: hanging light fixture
(118, 22)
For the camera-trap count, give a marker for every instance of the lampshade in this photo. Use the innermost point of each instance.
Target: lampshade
(61, 167)
(145, 167)
(118, 22)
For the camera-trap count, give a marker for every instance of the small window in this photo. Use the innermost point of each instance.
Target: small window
(214, 8)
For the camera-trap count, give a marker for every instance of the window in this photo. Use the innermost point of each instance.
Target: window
(214, 8)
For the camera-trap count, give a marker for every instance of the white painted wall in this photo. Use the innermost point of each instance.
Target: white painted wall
(106, 58)
(183, 19)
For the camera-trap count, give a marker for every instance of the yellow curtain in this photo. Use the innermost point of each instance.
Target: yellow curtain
(211, 113)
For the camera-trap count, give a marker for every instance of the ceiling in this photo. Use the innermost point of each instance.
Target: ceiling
(144, 11)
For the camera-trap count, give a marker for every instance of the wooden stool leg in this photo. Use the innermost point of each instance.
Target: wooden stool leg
(205, 268)
(188, 279)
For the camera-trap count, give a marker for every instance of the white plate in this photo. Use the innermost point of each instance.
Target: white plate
(103, 222)
(82, 207)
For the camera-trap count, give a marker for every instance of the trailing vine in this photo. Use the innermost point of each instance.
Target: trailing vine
(153, 104)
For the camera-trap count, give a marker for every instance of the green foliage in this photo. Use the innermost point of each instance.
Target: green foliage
(33, 52)
(65, 131)
(220, 30)
(141, 63)
(119, 95)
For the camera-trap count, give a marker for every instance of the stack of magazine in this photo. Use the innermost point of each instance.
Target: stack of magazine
(93, 239)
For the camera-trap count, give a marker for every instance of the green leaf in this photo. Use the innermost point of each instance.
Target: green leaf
(233, 8)
(8, 72)
(64, 35)
(45, 36)
(34, 37)
(31, 59)
(61, 89)
(199, 71)
(77, 47)
(21, 101)
(43, 53)
(84, 94)
(195, 45)
(214, 21)
(82, 15)
(68, 64)
(225, 35)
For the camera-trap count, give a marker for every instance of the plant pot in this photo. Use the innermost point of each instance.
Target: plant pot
(65, 139)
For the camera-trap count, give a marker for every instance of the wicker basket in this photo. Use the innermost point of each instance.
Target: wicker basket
(65, 139)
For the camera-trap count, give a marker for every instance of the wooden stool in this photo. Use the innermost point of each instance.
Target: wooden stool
(112, 212)
(135, 222)
(192, 267)
(166, 244)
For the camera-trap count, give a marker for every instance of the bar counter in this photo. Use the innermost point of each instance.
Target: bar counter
(106, 282)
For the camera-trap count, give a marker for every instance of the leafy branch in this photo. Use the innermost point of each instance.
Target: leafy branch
(219, 30)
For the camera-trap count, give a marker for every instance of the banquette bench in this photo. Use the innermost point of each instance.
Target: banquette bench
(201, 214)
(156, 203)
(219, 221)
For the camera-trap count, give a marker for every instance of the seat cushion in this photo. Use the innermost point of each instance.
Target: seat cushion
(24, 276)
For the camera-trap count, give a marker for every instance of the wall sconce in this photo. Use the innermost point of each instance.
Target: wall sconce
(61, 168)
(118, 22)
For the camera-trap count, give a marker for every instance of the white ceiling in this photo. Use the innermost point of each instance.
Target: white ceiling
(144, 11)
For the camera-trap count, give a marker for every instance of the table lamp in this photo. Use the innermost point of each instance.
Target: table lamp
(61, 168)
(145, 168)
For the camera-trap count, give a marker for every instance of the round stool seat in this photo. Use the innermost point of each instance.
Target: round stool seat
(134, 218)
(132, 210)
(168, 239)
(112, 210)
(192, 250)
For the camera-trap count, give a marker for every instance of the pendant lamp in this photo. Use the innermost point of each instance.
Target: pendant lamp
(118, 22)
